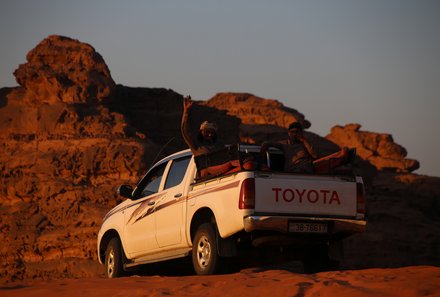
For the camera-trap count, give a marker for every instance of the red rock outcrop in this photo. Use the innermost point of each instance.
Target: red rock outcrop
(254, 110)
(62, 156)
(377, 148)
(63, 69)
(261, 119)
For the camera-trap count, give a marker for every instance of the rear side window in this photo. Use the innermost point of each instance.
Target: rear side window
(177, 172)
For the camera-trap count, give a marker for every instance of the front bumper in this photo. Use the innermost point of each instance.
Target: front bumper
(343, 227)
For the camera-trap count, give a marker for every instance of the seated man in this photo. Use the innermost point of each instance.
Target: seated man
(298, 152)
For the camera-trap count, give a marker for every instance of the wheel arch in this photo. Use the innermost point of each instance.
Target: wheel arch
(201, 216)
(108, 235)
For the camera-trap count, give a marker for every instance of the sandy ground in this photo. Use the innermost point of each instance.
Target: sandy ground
(401, 282)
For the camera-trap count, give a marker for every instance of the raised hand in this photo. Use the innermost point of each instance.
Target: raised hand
(187, 102)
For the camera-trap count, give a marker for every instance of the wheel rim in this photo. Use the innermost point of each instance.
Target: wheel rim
(111, 263)
(203, 252)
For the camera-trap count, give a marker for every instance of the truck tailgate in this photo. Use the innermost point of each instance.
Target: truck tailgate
(305, 195)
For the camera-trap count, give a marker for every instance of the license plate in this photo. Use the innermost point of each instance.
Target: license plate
(308, 228)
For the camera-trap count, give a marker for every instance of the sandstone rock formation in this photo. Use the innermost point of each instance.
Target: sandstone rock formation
(261, 119)
(63, 69)
(255, 110)
(378, 149)
(69, 136)
(62, 156)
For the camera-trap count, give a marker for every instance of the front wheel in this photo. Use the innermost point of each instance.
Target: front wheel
(205, 257)
(114, 259)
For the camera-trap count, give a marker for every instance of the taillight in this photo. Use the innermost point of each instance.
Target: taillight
(360, 198)
(247, 194)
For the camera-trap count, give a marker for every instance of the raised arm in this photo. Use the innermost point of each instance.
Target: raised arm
(187, 103)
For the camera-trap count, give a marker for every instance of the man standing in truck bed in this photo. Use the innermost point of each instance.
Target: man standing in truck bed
(298, 152)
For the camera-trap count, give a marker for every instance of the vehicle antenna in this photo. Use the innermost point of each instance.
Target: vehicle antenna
(160, 151)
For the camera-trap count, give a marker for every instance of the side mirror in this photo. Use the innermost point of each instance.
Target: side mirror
(125, 191)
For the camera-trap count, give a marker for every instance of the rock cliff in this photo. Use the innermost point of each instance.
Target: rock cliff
(69, 136)
(62, 155)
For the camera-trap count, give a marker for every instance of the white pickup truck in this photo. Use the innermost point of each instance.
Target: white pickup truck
(171, 213)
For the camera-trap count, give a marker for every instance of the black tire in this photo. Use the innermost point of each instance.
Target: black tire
(205, 256)
(114, 264)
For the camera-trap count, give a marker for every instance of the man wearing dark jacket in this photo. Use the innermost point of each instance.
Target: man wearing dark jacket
(298, 152)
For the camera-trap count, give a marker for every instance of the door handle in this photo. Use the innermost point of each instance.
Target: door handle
(178, 195)
(151, 203)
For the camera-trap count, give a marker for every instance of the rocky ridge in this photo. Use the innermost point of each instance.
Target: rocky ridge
(69, 136)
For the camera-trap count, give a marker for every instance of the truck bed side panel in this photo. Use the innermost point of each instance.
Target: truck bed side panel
(221, 196)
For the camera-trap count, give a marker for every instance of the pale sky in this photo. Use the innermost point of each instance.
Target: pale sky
(373, 62)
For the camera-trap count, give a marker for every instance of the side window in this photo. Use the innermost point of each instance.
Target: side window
(177, 172)
(150, 183)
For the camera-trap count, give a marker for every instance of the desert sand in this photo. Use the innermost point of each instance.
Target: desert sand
(401, 282)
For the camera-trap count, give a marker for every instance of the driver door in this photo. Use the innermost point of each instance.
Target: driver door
(139, 231)
(170, 210)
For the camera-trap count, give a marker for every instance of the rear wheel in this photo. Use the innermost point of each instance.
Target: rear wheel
(114, 259)
(205, 256)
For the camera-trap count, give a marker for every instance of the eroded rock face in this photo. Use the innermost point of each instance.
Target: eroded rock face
(60, 166)
(261, 119)
(377, 148)
(61, 69)
(62, 155)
